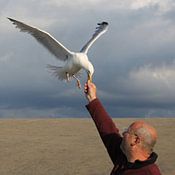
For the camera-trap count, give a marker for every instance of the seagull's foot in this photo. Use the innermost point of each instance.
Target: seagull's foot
(78, 82)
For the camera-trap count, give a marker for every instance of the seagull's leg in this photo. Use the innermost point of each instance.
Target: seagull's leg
(78, 81)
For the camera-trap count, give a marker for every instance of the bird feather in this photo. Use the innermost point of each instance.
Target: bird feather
(44, 38)
(101, 29)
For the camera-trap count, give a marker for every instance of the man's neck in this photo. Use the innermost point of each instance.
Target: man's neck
(132, 158)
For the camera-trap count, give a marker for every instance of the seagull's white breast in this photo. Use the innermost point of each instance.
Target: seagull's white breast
(73, 64)
(81, 59)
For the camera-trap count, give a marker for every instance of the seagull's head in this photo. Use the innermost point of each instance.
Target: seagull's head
(90, 71)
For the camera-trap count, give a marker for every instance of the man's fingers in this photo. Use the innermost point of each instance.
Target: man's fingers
(86, 88)
(89, 85)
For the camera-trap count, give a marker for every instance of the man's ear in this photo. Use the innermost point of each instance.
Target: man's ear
(137, 139)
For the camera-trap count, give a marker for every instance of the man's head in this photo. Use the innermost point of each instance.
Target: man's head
(139, 140)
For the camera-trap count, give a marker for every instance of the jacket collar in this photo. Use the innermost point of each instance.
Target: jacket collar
(139, 164)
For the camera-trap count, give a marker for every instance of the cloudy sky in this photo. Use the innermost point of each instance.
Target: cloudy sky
(134, 60)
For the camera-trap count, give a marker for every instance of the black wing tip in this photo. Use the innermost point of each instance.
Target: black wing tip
(103, 23)
(10, 19)
(106, 23)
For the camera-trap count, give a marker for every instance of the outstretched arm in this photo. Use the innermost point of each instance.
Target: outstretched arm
(103, 121)
(106, 127)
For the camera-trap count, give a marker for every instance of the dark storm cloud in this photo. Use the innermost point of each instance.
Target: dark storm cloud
(134, 60)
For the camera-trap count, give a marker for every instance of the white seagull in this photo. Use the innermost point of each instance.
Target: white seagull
(74, 61)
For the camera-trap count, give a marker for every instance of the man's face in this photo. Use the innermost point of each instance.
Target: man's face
(128, 140)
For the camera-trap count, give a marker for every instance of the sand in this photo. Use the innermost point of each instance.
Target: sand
(70, 147)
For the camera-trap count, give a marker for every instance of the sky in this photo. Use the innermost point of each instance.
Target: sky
(134, 60)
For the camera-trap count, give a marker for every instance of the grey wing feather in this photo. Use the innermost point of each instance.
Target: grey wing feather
(101, 29)
(55, 47)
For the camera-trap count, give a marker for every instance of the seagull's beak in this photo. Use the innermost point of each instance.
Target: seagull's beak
(89, 77)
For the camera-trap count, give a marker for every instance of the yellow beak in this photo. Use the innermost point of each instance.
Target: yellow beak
(89, 78)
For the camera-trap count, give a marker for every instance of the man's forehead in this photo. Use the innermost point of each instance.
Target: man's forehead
(136, 125)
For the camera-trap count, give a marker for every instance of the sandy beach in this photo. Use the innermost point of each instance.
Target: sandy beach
(70, 146)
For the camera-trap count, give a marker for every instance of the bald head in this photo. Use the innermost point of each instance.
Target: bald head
(146, 133)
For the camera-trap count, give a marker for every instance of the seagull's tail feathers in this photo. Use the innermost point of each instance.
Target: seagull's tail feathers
(58, 72)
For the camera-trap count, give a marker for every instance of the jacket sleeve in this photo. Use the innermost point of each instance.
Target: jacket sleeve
(109, 133)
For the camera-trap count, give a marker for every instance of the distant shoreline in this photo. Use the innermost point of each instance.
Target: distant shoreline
(87, 117)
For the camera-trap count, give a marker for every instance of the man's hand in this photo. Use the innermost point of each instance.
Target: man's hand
(90, 91)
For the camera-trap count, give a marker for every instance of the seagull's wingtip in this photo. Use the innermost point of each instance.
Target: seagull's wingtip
(103, 23)
(10, 19)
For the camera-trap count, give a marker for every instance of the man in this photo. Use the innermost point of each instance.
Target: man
(131, 154)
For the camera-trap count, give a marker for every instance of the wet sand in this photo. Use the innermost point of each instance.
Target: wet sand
(70, 146)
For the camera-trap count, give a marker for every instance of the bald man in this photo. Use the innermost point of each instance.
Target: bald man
(131, 154)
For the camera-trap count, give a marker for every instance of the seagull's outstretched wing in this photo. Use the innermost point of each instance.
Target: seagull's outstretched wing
(55, 47)
(102, 28)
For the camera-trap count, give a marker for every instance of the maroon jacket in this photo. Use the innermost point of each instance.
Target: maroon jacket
(112, 140)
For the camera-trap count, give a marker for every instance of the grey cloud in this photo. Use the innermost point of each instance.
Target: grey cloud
(137, 37)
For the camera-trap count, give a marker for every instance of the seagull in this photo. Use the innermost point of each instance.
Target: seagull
(74, 61)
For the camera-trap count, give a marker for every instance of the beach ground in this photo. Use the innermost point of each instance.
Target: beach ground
(70, 146)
